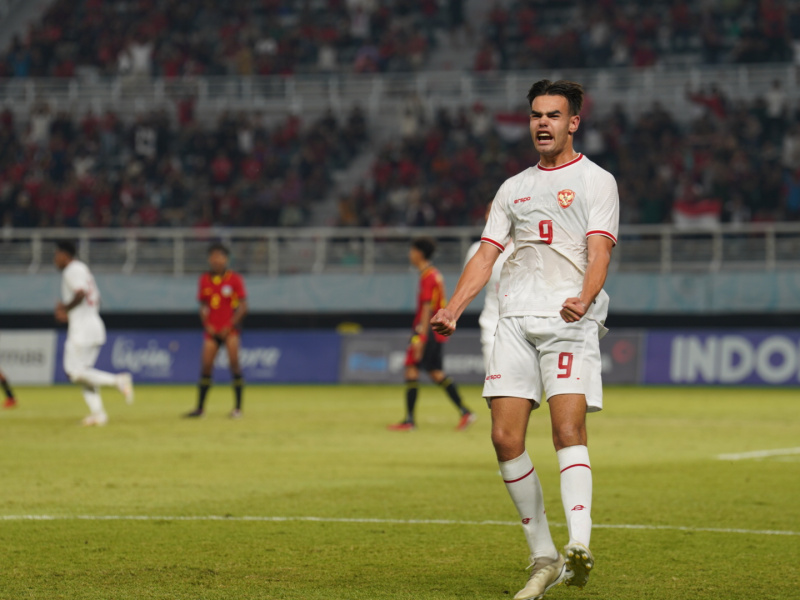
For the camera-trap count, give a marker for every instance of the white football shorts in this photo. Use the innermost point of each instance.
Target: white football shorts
(78, 358)
(532, 355)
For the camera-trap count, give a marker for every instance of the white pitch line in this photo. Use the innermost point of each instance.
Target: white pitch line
(759, 454)
(374, 521)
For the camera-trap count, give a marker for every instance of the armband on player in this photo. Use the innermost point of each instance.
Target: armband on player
(419, 338)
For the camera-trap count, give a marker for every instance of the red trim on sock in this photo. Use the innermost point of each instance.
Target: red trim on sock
(576, 465)
(521, 478)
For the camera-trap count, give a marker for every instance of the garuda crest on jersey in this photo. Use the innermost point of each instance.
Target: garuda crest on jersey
(565, 198)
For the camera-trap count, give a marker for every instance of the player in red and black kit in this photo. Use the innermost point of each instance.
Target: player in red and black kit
(425, 348)
(223, 306)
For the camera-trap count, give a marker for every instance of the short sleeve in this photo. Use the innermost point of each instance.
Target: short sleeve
(426, 287)
(498, 226)
(604, 209)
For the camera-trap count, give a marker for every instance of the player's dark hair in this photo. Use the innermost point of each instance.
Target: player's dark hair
(425, 245)
(67, 247)
(219, 247)
(570, 90)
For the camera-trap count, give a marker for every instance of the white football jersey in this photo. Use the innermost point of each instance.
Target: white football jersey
(86, 328)
(490, 314)
(549, 213)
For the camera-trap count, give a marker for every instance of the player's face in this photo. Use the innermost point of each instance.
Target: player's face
(218, 261)
(415, 256)
(552, 125)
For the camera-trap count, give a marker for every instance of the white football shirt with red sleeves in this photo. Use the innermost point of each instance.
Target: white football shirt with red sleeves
(550, 213)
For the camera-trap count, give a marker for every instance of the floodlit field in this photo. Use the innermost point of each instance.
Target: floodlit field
(309, 497)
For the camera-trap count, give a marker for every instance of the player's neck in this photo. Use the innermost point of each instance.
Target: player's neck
(562, 158)
(424, 265)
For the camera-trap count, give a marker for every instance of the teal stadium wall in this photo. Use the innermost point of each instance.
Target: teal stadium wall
(756, 292)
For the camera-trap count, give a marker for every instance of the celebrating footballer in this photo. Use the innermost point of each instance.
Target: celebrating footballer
(563, 216)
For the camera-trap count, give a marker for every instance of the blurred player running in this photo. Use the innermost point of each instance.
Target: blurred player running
(223, 306)
(425, 349)
(86, 334)
(563, 215)
(10, 401)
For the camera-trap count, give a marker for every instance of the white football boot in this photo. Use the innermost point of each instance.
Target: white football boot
(545, 574)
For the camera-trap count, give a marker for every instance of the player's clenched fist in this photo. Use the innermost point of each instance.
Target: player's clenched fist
(572, 310)
(443, 322)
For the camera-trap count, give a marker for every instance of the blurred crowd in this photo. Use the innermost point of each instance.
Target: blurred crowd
(100, 171)
(733, 161)
(172, 38)
(527, 34)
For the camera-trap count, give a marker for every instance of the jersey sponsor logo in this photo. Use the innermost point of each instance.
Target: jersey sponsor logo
(492, 377)
(565, 198)
(578, 507)
(226, 290)
(521, 200)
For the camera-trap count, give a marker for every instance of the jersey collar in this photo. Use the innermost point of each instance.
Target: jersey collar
(572, 162)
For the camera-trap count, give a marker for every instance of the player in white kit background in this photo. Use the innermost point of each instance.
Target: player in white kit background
(86, 333)
(490, 313)
(563, 217)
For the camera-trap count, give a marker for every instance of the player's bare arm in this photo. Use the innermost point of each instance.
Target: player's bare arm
(599, 256)
(239, 314)
(475, 276)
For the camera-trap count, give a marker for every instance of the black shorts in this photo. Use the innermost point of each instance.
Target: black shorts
(431, 356)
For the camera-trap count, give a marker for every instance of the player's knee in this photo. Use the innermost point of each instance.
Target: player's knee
(569, 434)
(507, 442)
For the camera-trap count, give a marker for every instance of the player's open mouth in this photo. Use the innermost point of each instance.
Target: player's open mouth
(544, 137)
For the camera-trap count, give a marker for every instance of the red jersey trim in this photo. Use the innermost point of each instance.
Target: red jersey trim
(576, 465)
(521, 478)
(572, 162)
(601, 232)
(497, 245)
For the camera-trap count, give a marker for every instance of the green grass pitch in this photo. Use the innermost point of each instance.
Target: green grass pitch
(673, 521)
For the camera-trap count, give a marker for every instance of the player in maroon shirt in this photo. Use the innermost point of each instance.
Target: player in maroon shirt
(425, 348)
(223, 306)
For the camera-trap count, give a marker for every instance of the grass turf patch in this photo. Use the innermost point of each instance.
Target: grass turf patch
(323, 451)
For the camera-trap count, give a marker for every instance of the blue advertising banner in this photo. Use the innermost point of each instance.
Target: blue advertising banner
(174, 357)
(723, 357)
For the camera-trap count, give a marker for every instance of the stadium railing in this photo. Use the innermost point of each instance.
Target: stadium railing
(272, 252)
(633, 89)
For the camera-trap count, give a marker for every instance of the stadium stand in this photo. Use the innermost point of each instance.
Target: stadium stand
(732, 162)
(100, 171)
(153, 112)
(172, 38)
(527, 34)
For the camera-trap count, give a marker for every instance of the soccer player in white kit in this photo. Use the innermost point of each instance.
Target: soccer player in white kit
(563, 215)
(86, 334)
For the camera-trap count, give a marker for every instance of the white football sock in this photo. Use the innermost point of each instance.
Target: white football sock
(93, 400)
(523, 486)
(96, 378)
(576, 492)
